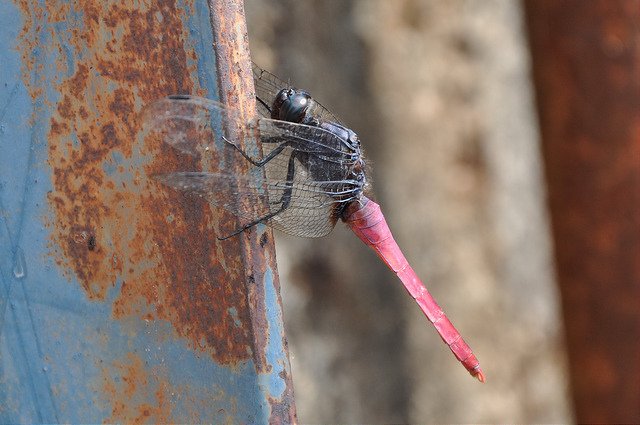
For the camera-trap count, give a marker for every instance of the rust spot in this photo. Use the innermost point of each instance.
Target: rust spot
(78, 83)
(128, 380)
(64, 108)
(264, 239)
(123, 57)
(91, 243)
(282, 409)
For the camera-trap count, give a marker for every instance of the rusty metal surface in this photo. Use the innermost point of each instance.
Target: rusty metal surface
(586, 58)
(117, 301)
(236, 90)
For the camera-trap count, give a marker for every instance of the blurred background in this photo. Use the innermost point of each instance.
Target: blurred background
(442, 95)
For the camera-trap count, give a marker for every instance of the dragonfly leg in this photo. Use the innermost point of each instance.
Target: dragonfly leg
(285, 200)
(264, 104)
(253, 223)
(259, 163)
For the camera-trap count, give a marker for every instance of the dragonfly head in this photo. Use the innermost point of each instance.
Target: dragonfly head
(291, 105)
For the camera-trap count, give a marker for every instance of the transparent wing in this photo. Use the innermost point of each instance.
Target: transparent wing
(296, 183)
(267, 88)
(310, 212)
(194, 124)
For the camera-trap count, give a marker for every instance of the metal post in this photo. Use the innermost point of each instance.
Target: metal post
(586, 58)
(117, 301)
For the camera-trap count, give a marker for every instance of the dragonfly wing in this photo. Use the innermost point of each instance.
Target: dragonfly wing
(192, 124)
(267, 88)
(299, 171)
(309, 212)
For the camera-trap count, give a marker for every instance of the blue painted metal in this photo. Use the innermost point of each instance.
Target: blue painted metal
(117, 302)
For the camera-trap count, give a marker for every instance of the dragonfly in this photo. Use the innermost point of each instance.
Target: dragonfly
(308, 173)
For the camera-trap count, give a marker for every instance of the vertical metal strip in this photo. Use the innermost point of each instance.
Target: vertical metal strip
(236, 90)
(586, 62)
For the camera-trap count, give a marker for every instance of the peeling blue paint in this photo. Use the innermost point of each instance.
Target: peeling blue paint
(234, 314)
(276, 355)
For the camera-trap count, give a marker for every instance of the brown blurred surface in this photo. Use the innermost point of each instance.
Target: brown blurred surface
(440, 95)
(587, 70)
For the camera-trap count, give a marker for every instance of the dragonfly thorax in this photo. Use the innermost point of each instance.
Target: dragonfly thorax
(350, 147)
(335, 162)
(342, 161)
(349, 138)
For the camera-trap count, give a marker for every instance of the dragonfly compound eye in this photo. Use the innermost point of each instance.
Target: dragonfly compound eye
(294, 108)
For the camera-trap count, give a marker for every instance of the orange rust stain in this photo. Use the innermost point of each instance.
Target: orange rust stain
(128, 384)
(109, 224)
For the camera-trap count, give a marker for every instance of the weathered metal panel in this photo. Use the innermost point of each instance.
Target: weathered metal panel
(117, 301)
(586, 58)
